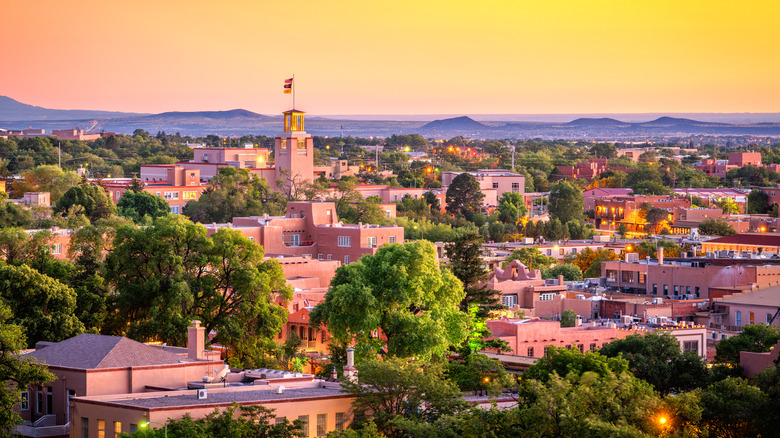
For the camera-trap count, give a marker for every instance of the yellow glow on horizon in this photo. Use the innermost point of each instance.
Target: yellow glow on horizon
(401, 57)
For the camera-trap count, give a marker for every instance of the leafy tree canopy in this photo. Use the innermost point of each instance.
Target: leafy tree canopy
(398, 302)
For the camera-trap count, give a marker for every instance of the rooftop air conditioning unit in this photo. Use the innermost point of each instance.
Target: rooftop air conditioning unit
(203, 394)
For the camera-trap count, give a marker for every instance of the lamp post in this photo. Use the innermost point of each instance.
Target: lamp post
(165, 425)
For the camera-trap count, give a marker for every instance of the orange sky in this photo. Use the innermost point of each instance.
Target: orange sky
(394, 57)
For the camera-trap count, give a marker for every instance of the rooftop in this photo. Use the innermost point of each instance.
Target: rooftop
(246, 394)
(769, 297)
(88, 351)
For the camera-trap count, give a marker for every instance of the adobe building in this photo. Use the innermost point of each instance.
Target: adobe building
(759, 243)
(610, 213)
(312, 230)
(591, 195)
(530, 337)
(94, 365)
(691, 278)
(293, 158)
(732, 312)
(320, 405)
(175, 184)
(492, 182)
(753, 363)
(521, 289)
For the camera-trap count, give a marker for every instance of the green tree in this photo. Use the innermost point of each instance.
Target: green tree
(569, 271)
(758, 202)
(568, 318)
(465, 261)
(14, 215)
(716, 227)
(92, 198)
(511, 207)
(169, 273)
(401, 292)
(734, 408)
(589, 261)
(396, 389)
(16, 372)
(47, 178)
(464, 197)
(757, 338)
(234, 193)
(566, 202)
(140, 206)
(657, 359)
(234, 422)
(531, 257)
(41, 305)
(562, 361)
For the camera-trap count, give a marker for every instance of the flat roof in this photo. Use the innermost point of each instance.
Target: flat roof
(229, 395)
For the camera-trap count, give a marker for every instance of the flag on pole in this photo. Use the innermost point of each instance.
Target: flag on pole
(288, 83)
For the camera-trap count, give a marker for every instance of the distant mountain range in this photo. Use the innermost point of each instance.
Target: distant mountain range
(12, 110)
(17, 115)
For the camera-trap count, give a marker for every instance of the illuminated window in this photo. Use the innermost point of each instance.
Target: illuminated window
(283, 144)
(189, 195)
(25, 399)
(101, 428)
(117, 428)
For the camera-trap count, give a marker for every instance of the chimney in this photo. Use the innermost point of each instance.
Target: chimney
(660, 255)
(350, 372)
(195, 341)
(560, 280)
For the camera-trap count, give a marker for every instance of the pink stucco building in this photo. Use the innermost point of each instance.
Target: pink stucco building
(93, 365)
(492, 182)
(312, 230)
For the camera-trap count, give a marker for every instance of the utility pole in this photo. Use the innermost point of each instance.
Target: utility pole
(59, 154)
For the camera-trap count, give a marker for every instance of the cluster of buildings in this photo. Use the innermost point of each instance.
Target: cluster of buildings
(60, 134)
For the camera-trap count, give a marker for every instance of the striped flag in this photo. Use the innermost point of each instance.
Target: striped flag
(288, 83)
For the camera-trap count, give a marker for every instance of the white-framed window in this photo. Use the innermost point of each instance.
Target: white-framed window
(252, 238)
(346, 259)
(175, 210)
(320, 256)
(295, 239)
(330, 256)
(516, 187)
(371, 241)
(56, 248)
(24, 401)
(305, 424)
(171, 195)
(392, 239)
(510, 300)
(345, 241)
(159, 195)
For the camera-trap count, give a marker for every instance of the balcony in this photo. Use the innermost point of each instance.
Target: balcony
(304, 243)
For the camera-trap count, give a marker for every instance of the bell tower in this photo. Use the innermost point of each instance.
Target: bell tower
(294, 150)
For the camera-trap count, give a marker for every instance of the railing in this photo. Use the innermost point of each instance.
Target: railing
(45, 431)
(46, 420)
(304, 243)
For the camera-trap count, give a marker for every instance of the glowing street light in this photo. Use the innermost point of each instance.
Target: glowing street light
(165, 425)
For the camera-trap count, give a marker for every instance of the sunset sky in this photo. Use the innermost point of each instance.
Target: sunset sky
(394, 57)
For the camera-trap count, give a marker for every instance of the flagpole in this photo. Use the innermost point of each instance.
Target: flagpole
(293, 90)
